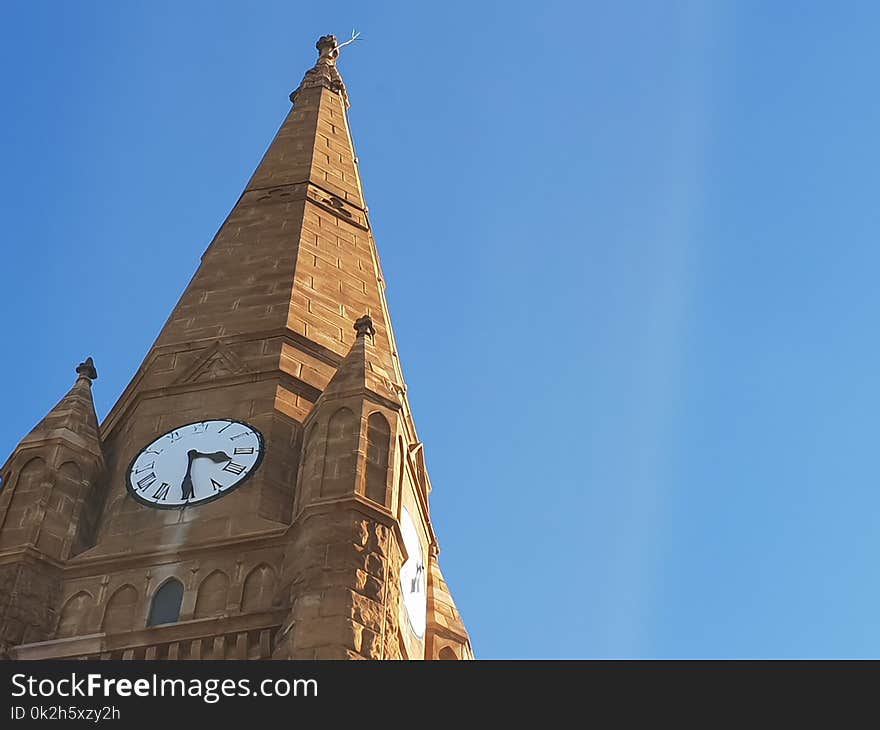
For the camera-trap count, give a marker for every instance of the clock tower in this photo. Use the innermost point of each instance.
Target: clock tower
(259, 489)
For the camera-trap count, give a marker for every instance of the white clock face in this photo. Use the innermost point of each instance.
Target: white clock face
(413, 576)
(195, 463)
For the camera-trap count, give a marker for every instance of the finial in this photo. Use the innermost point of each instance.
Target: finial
(328, 48)
(87, 370)
(324, 73)
(364, 326)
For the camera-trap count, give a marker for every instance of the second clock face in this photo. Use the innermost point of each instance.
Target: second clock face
(195, 463)
(413, 577)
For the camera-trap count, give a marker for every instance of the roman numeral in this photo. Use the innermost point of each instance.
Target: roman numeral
(146, 481)
(152, 451)
(239, 435)
(162, 491)
(217, 486)
(144, 468)
(200, 427)
(244, 450)
(233, 468)
(174, 436)
(225, 427)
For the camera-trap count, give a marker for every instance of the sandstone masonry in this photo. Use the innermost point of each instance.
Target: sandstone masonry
(285, 327)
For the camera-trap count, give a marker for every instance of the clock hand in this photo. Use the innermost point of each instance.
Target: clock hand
(186, 485)
(215, 456)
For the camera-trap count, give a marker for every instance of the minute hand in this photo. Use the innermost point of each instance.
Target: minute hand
(186, 485)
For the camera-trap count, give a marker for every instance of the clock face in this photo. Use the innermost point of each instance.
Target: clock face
(413, 576)
(195, 463)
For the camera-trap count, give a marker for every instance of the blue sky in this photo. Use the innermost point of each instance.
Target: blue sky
(632, 261)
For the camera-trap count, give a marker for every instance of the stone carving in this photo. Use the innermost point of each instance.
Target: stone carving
(338, 205)
(218, 362)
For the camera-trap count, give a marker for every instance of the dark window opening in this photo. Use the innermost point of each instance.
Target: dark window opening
(166, 604)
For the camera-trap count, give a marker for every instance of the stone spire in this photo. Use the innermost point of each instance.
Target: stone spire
(361, 372)
(48, 511)
(73, 420)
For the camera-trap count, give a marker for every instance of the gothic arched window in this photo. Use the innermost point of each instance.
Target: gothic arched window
(258, 589)
(120, 611)
(340, 460)
(378, 446)
(166, 603)
(73, 616)
(212, 596)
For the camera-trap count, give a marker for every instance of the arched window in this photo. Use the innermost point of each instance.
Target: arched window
(166, 603)
(378, 445)
(258, 589)
(73, 616)
(119, 614)
(212, 596)
(447, 654)
(340, 461)
(66, 489)
(24, 504)
(313, 458)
